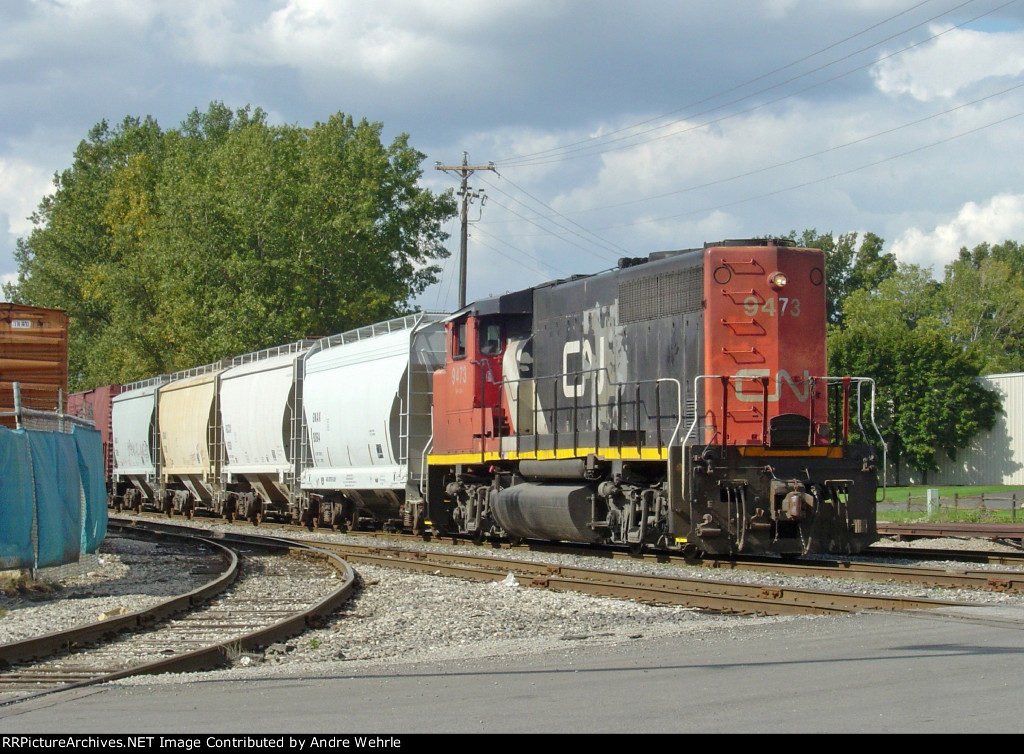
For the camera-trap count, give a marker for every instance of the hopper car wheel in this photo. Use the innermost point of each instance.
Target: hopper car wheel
(418, 528)
(636, 548)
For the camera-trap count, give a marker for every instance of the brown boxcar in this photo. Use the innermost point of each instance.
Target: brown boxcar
(33, 353)
(96, 406)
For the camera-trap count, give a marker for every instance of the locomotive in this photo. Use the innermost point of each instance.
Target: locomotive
(679, 401)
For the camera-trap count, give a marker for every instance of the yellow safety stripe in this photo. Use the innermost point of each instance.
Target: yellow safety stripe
(607, 454)
(624, 454)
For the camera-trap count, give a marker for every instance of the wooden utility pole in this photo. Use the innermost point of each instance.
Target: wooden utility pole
(464, 170)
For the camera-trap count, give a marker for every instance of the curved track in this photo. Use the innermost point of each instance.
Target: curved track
(189, 631)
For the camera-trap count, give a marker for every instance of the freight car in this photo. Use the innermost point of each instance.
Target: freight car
(327, 432)
(34, 354)
(680, 401)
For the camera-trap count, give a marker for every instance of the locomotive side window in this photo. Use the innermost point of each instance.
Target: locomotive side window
(491, 342)
(459, 340)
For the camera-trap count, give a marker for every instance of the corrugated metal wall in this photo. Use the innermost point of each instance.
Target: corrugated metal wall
(993, 457)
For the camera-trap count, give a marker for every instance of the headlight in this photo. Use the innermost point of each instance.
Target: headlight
(777, 280)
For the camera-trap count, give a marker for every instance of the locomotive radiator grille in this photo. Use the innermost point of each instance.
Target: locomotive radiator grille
(657, 296)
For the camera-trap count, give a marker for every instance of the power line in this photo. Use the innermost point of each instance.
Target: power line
(601, 144)
(465, 170)
(805, 184)
(793, 161)
(603, 243)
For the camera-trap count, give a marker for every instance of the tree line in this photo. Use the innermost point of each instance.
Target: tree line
(177, 247)
(924, 340)
(225, 235)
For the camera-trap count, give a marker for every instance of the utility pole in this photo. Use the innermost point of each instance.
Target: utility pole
(465, 170)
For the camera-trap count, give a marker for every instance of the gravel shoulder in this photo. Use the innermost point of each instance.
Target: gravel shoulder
(398, 618)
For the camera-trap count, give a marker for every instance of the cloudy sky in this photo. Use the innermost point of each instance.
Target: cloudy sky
(615, 129)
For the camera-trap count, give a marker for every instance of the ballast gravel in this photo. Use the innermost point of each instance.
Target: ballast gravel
(399, 617)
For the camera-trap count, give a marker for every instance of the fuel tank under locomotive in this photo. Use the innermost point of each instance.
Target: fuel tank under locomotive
(569, 500)
(546, 510)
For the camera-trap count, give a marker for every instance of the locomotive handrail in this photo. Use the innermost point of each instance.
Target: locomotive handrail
(595, 404)
(861, 381)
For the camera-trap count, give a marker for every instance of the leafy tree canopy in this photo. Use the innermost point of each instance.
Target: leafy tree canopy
(225, 235)
(848, 268)
(928, 399)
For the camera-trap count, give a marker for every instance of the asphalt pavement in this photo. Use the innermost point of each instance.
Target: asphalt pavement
(955, 671)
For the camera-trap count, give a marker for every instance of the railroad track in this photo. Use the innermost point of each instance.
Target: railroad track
(247, 605)
(1014, 532)
(862, 568)
(719, 596)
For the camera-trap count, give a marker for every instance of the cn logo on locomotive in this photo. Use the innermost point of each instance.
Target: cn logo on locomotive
(801, 386)
(574, 370)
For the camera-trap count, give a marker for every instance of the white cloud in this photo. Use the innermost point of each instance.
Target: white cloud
(998, 220)
(385, 41)
(22, 185)
(953, 61)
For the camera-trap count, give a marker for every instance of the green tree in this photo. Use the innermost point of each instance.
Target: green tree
(848, 267)
(928, 398)
(175, 248)
(983, 304)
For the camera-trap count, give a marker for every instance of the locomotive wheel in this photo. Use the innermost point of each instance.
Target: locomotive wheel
(692, 553)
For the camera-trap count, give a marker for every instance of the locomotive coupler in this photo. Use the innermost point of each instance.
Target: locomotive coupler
(791, 501)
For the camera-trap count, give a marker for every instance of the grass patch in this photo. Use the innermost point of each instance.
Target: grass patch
(984, 504)
(951, 516)
(23, 585)
(920, 492)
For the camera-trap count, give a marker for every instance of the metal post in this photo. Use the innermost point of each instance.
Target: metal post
(17, 405)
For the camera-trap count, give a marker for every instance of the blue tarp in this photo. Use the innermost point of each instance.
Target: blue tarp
(90, 466)
(55, 479)
(58, 498)
(16, 506)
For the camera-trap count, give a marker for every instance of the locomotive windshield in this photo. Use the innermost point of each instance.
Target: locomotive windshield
(491, 342)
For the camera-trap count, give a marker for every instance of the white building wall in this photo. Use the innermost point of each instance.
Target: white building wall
(993, 457)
